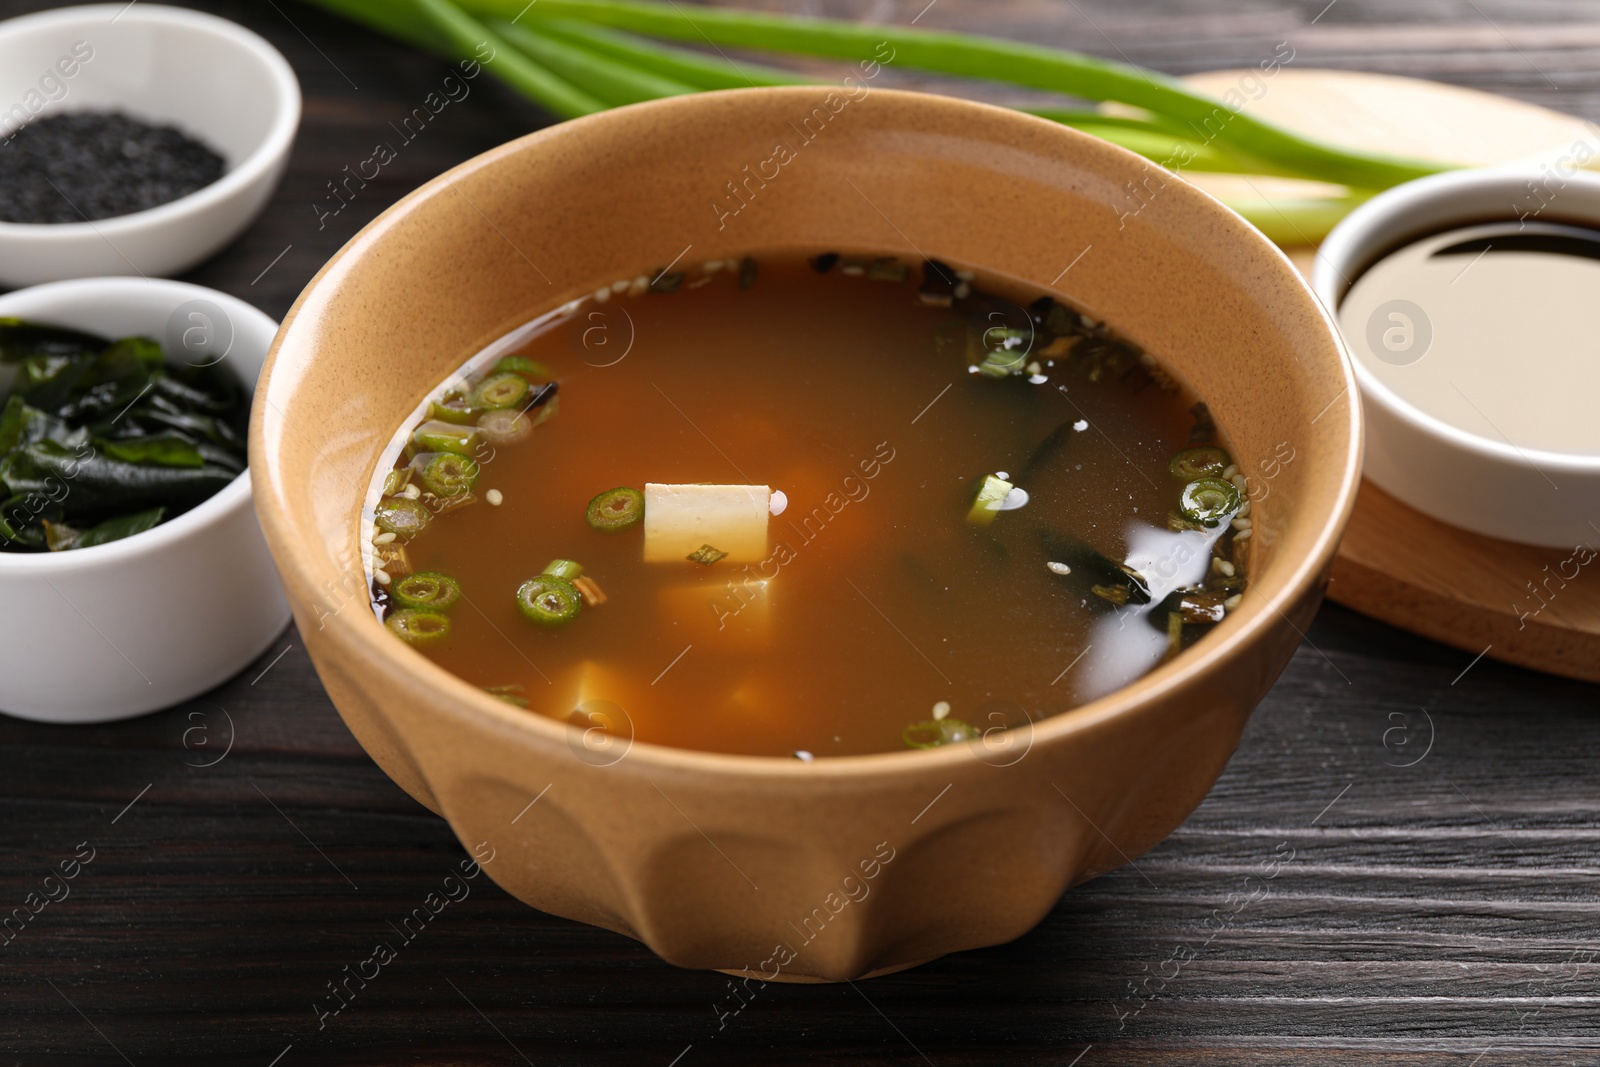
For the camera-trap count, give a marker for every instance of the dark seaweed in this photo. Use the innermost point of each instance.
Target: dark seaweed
(102, 439)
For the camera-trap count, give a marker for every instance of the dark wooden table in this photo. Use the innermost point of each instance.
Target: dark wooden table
(1442, 904)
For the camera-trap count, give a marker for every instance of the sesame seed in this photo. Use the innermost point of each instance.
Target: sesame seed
(965, 275)
(803, 756)
(941, 709)
(711, 266)
(381, 574)
(1225, 567)
(1058, 568)
(601, 295)
(1241, 524)
(1233, 601)
(1243, 535)
(638, 286)
(1245, 509)
(1233, 468)
(383, 538)
(620, 286)
(1081, 425)
(1238, 480)
(412, 492)
(493, 498)
(961, 291)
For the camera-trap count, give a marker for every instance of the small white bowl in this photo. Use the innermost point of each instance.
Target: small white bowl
(211, 78)
(113, 631)
(1479, 483)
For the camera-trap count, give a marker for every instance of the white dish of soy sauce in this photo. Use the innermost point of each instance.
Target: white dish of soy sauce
(1470, 311)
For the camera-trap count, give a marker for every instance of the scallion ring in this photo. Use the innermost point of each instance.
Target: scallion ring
(1209, 501)
(549, 600)
(426, 590)
(418, 627)
(448, 474)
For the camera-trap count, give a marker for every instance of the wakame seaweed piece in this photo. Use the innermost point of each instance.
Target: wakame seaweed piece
(190, 397)
(14, 420)
(221, 457)
(1092, 567)
(1209, 501)
(22, 527)
(824, 263)
(1195, 606)
(1048, 449)
(217, 431)
(46, 382)
(20, 339)
(938, 285)
(163, 449)
(102, 487)
(116, 529)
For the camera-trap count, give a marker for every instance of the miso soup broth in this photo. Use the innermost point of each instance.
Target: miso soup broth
(807, 505)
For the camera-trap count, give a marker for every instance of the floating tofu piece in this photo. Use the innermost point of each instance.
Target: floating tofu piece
(713, 615)
(680, 519)
(593, 684)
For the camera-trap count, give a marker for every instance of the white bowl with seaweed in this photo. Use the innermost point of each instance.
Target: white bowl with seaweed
(134, 570)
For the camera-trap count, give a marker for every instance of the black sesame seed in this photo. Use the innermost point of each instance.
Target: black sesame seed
(95, 165)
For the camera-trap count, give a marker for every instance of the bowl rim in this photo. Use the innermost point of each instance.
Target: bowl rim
(367, 639)
(166, 535)
(277, 77)
(1369, 230)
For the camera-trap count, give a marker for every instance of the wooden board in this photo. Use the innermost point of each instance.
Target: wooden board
(1534, 607)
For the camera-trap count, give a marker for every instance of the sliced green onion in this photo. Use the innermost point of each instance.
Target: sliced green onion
(501, 391)
(549, 600)
(447, 474)
(453, 408)
(402, 516)
(511, 694)
(706, 555)
(936, 732)
(529, 369)
(1209, 501)
(992, 492)
(418, 627)
(426, 590)
(504, 427)
(438, 436)
(616, 509)
(1207, 461)
(564, 568)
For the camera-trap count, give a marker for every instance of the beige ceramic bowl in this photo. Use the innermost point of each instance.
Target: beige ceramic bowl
(842, 867)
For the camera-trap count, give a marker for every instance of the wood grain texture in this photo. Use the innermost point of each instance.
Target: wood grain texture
(1441, 904)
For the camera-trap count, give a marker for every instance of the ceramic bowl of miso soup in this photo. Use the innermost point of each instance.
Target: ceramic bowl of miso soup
(804, 530)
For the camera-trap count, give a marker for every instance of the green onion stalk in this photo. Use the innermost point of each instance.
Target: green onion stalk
(576, 57)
